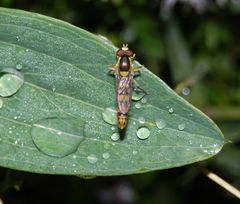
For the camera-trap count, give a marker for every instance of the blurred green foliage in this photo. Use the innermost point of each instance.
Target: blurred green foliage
(189, 44)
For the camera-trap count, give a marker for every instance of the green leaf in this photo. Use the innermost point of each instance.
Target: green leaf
(54, 122)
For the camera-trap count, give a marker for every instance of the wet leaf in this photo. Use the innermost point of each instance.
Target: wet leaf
(66, 79)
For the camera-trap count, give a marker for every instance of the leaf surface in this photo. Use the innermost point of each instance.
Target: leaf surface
(54, 122)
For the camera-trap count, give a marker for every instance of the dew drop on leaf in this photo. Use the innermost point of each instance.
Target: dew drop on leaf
(144, 100)
(10, 83)
(134, 152)
(105, 155)
(115, 136)
(143, 133)
(110, 116)
(92, 158)
(170, 110)
(160, 124)
(181, 126)
(18, 66)
(141, 120)
(138, 105)
(57, 137)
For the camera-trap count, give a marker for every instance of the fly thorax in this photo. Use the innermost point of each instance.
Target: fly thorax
(124, 66)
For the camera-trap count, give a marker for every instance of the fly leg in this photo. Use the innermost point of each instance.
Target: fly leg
(112, 69)
(137, 70)
(137, 88)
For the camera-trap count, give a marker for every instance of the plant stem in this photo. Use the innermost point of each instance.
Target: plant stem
(227, 186)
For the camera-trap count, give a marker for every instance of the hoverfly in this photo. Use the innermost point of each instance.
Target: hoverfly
(124, 72)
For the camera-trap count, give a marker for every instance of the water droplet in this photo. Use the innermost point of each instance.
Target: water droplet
(10, 83)
(74, 156)
(105, 155)
(58, 137)
(170, 110)
(181, 126)
(136, 96)
(144, 100)
(141, 120)
(110, 116)
(17, 141)
(92, 159)
(134, 152)
(27, 50)
(143, 133)
(17, 37)
(185, 91)
(115, 136)
(217, 150)
(160, 124)
(18, 66)
(138, 105)
(53, 89)
(112, 128)
(1, 103)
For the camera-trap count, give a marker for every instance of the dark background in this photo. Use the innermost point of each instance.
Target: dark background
(194, 46)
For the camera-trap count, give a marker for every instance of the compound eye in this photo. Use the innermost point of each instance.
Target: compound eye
(129, 53)
(120, 53)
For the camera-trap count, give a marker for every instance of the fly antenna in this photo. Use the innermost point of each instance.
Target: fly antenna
(125, 47)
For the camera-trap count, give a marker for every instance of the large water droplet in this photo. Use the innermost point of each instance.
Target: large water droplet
(10, 83)
(92, 158)
(115, 136)
(143, 133)
(110, 116)
(58, 137)
(106, 155)
(136, 96)
(181, 126)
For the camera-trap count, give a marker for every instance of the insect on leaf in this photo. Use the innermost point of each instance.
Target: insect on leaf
(52, 122)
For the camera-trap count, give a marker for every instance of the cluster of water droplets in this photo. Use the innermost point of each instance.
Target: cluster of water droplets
(143, 131)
